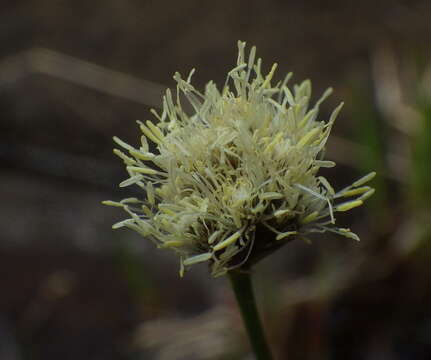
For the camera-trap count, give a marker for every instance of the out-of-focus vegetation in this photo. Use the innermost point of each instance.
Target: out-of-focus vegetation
(73, 74)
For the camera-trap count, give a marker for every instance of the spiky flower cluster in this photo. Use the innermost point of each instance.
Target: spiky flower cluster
(238, 178)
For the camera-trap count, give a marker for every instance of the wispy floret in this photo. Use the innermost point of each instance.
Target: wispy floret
(237, 178)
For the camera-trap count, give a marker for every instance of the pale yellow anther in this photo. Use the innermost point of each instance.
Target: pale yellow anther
(146, 210)
(271, 196)
(267, 82)
(149, 134)
(356, 191)
(141, 155)
(306, 118)
(348, 205)
(168, 211)
(274, 142)
(324, 163)
(123, 223)
(230, 240)
(144, 144)
(142, 170)
(131, 200)
(368, 194)
(289, 96)
(197, 259)
(112, 203)
(122, 143)
(285, 235)
(131, 180)
(327, 185)
(310, 217)
(127, 160)
(213, 237)
(308, 137)
(173, 243)
(347, 233)
(364, 179)
(156, 131)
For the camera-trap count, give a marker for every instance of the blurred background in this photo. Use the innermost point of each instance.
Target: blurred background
(75, 73)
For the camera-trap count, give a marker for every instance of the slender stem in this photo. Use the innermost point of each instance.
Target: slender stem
(243, 289)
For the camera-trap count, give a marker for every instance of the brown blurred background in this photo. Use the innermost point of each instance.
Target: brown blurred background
(75, 73)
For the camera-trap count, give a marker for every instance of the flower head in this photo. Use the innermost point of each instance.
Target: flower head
(237, 179)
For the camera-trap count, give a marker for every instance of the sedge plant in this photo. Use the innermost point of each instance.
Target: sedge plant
(235, 179)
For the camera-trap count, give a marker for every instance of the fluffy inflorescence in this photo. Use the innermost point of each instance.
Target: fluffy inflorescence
(238, 178)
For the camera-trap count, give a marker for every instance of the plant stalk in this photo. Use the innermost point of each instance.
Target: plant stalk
(243, 289)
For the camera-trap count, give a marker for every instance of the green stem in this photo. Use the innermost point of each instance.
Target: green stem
(243, 289)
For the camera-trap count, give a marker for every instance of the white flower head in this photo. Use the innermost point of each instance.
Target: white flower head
(237, 179)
